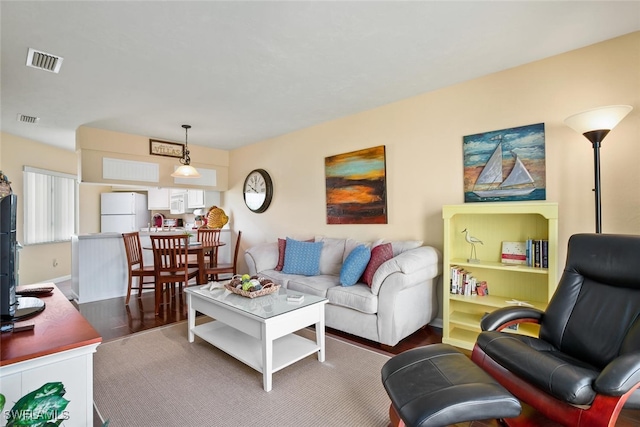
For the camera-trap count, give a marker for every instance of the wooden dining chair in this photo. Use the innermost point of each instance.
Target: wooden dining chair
(171, 263)
(225, 268)
(135, 264)
(210, 236)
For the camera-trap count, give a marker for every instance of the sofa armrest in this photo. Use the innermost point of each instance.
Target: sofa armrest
(407, 296)
(261, 257)
(407, 263)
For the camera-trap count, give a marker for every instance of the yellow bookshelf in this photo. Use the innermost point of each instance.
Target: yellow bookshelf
(493, 223)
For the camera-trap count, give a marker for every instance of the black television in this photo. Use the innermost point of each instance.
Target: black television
(12, 308)
(8, 256)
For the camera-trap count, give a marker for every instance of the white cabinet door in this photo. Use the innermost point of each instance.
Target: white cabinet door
(158, 199)
(195, 199)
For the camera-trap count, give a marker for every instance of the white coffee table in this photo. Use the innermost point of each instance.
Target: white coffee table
(258, 331)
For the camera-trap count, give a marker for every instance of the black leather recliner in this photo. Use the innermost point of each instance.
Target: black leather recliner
(585, 365)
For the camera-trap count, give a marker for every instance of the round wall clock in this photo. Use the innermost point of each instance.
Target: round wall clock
(258, 190)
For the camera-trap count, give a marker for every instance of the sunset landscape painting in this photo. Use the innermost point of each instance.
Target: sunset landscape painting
(356, 187)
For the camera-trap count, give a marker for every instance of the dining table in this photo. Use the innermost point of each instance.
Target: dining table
(200, 250)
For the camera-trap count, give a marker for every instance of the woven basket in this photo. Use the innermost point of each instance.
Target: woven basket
(268, 287)
(216, 218)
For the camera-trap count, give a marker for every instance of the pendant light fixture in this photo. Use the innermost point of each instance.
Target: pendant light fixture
(186, 170)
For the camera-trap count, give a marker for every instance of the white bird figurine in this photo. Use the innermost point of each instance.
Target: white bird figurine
(472, 241)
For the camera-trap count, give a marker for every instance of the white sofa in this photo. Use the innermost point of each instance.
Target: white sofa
(401, 299)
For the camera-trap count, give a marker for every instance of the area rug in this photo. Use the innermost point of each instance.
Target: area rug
(158, 378)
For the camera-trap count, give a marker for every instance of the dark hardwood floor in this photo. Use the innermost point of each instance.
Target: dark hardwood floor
(113, 319)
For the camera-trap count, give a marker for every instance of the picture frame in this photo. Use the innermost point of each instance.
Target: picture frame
(356, 187)
(505, 165)
(166, 149)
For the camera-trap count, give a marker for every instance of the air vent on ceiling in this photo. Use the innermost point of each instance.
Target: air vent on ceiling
(44, 61)
(28, 119)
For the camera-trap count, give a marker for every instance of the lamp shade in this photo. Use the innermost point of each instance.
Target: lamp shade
(602, 118)
(186, 171)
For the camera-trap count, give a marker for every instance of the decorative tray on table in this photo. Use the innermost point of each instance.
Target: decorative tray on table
(251, 287)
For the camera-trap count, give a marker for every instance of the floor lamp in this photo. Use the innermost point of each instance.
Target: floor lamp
(595, 124)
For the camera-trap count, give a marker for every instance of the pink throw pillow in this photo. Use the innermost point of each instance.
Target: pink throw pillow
(282, 246)
(379, 255)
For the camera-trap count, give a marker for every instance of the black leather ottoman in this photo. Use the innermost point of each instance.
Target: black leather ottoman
(437, 385)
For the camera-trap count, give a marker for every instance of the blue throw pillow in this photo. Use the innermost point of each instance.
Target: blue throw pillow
(302, 257)
(354, 265)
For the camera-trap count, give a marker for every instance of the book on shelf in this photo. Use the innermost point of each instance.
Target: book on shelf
(537, 251)
(482, 289)
(514, 253)
(462, 282)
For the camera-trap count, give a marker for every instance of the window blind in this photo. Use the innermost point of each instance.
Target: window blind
(49, 206)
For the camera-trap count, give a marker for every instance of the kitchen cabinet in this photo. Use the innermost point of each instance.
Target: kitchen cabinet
(158, 199)
(195, 199)
(494, 223)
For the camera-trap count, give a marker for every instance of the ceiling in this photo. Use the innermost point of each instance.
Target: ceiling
(243, 71)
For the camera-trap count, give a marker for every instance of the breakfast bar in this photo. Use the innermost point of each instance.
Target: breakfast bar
(99, 263)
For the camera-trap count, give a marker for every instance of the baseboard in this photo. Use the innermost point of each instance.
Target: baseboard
(57, 279)
(436, 323)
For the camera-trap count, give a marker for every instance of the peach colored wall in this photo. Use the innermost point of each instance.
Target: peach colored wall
(89, 207)
(423, 139)
(36, 261)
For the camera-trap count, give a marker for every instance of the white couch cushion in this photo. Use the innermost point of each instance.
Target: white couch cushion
(358, 297)
(264, 255)
(314, 285)
(332, 255)
(401, 246)
(279, 278)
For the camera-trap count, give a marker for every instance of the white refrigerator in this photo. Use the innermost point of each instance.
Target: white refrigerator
(123, 212)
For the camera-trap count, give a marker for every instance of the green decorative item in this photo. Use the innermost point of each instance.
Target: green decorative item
(42, 407)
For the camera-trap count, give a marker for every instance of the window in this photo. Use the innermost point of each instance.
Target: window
(49, 206)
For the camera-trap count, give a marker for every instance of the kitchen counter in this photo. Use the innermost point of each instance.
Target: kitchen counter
(100, 236)
(98, 267)
(143, 232)
(99, 262)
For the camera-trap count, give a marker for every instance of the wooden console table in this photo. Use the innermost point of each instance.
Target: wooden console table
(59, 349)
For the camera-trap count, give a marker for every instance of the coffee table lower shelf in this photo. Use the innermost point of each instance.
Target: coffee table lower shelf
(263, 336)
(247, 349)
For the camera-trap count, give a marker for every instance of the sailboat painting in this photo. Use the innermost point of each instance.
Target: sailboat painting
(505, 165)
